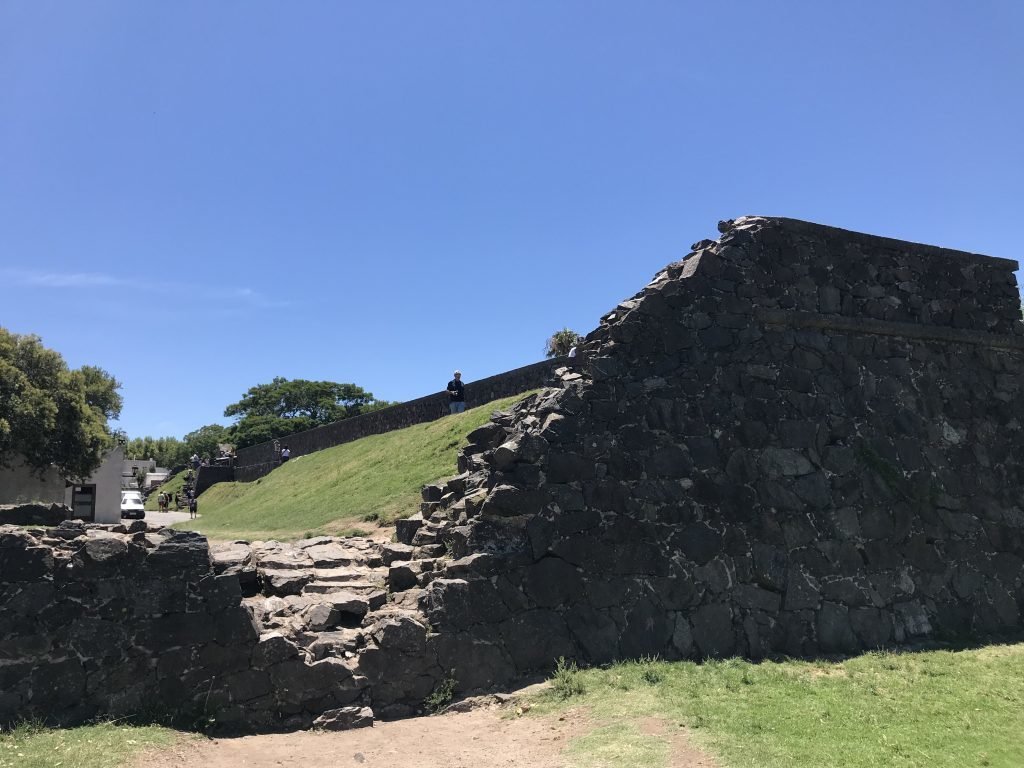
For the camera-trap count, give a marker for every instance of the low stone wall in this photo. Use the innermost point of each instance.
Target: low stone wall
(257, 460)
(34, 514)
(120, 621)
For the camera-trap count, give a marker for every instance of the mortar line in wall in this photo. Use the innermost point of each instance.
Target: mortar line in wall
(797, 319)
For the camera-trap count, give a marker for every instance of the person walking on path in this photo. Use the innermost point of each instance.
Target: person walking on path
(456, 394)
(193, 508)
(161, 501)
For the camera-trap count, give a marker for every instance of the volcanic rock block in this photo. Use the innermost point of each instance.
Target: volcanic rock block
(344, 718)
(405, 529)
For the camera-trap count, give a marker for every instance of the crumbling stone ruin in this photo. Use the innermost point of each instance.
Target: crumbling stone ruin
(796, 440)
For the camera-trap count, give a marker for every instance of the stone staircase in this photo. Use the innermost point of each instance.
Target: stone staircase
(365, 603)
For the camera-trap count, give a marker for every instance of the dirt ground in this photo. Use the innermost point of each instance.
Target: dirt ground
(482, 738)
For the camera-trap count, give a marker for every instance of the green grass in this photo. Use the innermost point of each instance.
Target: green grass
(172, 485)
(936, 709)
(106, 745)
(341, 489)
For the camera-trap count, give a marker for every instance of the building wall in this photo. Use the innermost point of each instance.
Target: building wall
(107, 479)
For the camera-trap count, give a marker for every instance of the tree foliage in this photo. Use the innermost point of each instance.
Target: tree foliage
(50, 414)
(172, 452)
(206, 441)
(561, 342)
(285, 406)
(166, 451)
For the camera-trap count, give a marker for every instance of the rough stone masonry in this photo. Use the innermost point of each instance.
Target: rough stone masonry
(796, 440)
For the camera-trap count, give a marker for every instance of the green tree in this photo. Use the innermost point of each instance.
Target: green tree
(50, 414)
(166, 451)
(205, 441)
(561, 342)
(285, 406)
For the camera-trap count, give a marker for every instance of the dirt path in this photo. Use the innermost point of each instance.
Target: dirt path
(482, 738)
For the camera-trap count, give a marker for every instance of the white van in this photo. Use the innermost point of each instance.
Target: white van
(131, 505)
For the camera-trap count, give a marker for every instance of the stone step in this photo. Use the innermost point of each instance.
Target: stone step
(372, 592)
(345, 575)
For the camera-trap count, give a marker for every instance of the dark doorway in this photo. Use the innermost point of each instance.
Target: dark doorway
(83, 502)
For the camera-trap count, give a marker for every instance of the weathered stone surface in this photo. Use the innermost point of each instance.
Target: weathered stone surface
(288, 582)
(344, 718)
(405, 529)
(401, 577)
(33, 514)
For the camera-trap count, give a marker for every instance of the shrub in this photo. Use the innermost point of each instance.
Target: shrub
(567, 681)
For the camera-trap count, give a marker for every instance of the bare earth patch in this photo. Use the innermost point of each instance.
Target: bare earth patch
(482, 738)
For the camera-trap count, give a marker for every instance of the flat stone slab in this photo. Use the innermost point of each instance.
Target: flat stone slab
(285, 582)
(334, 555)
(343, 575)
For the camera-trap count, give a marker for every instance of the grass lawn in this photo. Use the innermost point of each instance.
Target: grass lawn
(936, 709)
(106, 745)
(334, 491)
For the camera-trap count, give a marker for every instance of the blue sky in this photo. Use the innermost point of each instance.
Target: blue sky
(201, 196)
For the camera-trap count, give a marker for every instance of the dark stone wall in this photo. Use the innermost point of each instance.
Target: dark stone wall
(114, 621)
(207, 476)
(797, 440)
(257, 460)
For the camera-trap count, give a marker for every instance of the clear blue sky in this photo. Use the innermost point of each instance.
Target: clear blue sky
(201, 196)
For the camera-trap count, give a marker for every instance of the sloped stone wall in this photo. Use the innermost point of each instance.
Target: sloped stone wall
(796, 440)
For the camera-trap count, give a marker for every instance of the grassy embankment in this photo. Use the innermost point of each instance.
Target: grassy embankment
(937, 709)
(343, 489)
(173, 485)
(106, 745)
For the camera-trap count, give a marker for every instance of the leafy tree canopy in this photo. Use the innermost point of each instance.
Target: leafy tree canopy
(561, 342)
(205, 441)
(50, 414)
(172, 452)
(285, 406)
(166, 451)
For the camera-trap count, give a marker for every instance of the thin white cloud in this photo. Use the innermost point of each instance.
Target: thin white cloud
(240, 295)
(41, 279)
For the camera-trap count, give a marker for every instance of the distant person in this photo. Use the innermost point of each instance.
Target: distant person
(175, 501)
(572, 359)
(195, 461)
(456, 394)
(161, 501)
(193, 508)
(286, 454)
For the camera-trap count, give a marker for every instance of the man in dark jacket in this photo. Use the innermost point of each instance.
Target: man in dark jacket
(456, 394)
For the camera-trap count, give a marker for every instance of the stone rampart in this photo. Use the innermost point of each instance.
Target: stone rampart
(257, 460)
(796, 440)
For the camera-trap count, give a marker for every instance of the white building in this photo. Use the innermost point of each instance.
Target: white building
(95, 499)
(98, 497)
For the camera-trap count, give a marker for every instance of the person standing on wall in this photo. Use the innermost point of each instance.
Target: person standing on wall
(456, 394)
